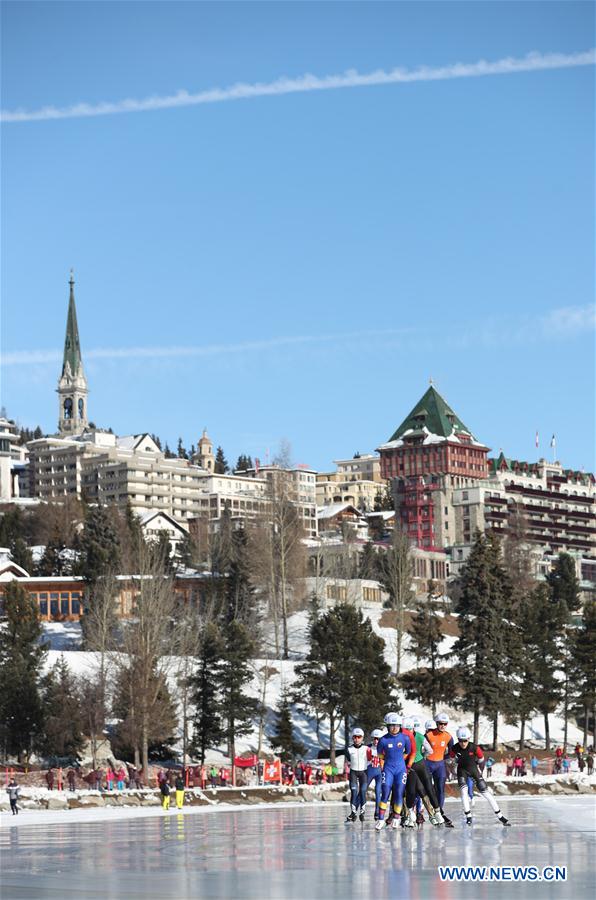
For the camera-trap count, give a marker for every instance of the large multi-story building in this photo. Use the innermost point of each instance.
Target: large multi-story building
(446, 489)
(551, 508)
(357, 481)
(11, 461)
(429, 456)
(107, 469)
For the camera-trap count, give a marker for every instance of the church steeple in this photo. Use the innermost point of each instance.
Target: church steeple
(72, 386)
(72, 344)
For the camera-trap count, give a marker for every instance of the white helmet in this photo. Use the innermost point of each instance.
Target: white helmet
(392, 718)
(463, 733)
(442, 718)
(357, 732)
(407, 723)
(377, 733)
(430, 725)
(419, 727)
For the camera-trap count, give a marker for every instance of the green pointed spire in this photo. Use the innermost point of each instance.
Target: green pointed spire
(434, 413)
(72, 346)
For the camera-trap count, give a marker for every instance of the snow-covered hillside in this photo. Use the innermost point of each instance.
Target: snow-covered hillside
(281, 675)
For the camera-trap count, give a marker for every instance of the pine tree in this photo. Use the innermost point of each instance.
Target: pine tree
(185, 552)
(565, 594)
(583, 670)
(543, 639)
(283, 735)
(243, 463)
(99, 546)
(21, 555)
(521, 697)
(430, 684)
(483, 603)
(345, 676)
(208, 728)
(180, 450)
(564, 585)
(53, 562)
(62, 733)
(368, 562)
(133, 540)
(21, 657)
(239, 710)
(221, 464)
(239, 590)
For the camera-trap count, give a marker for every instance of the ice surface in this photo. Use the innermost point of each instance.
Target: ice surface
(296, 852)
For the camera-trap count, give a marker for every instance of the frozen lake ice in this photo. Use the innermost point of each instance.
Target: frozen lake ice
(301, 851)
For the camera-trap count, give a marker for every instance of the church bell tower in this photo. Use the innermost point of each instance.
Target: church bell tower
(72, 386)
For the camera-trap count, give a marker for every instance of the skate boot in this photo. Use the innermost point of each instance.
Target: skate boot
(420, 819)
(410, 820)
(361, 817)
(436, 818)
(504, 821)
(395, 822)
(447, 821)
(351, 818)
(380, 825)
(468, 820)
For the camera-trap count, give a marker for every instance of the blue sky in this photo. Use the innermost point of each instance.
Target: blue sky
(297, 266)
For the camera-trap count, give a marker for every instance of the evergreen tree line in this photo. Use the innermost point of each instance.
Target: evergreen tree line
(518, 653)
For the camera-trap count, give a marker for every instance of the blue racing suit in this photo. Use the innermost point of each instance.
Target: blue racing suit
(393, 749)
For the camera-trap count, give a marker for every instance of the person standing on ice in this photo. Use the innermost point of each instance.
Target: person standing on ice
(441, 743)
(393, 749)
(419, 782)
(164, 790)
(13, 791)
(468, 756)
(373, 772)
(179, 785)
(357, 756)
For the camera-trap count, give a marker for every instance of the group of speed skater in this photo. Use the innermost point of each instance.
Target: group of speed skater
(407, 764)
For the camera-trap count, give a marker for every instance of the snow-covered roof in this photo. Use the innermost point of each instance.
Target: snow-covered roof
(157, 513)
(430, 438)
(133, 442)
(328, 512)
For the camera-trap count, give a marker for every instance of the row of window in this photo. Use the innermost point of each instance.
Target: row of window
(53, 604)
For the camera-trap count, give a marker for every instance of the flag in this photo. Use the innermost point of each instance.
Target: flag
(272, 771)
(553, 441)
(537, 441)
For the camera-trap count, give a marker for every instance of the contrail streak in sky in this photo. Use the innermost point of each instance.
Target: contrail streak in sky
(533, 62)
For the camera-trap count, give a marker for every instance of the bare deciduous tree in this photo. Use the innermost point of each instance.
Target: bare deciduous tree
(147, 642)
(396, 571)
